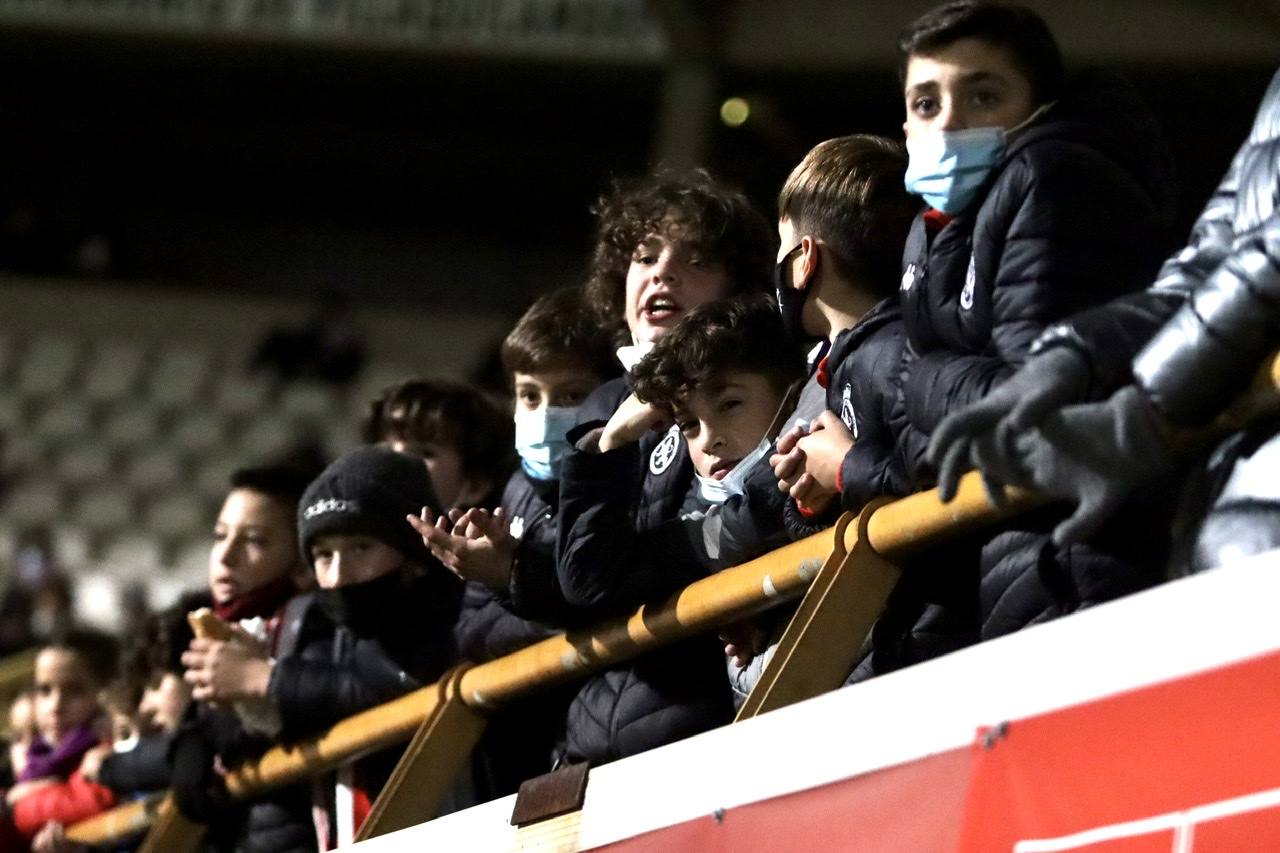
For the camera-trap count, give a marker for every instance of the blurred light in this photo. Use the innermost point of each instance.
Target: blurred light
(735, 112)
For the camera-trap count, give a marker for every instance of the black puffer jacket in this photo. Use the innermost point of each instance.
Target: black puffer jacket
(1074, 216)
(666, 695)
(864, 371)
(277, 822)
(362, 645)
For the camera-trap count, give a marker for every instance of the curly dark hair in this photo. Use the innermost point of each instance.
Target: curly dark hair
(721, 222)
(452, 413)
(742, 333)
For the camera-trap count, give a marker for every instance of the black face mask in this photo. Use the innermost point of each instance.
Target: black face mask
(363, 607)
(790, 301)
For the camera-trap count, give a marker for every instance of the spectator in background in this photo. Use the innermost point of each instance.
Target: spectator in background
(329, 347)
(254, 563)
(54, 786)
(461, 435)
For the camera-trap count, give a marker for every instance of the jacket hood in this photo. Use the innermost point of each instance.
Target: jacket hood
(1105, 112)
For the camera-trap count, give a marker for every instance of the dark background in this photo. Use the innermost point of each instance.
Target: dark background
(408, 179)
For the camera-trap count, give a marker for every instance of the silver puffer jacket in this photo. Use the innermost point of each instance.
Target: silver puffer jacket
(1230, 272)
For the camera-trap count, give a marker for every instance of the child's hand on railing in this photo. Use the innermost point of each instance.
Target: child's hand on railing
(743, 641)
(475, 544)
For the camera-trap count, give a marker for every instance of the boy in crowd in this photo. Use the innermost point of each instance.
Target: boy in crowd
(457, 431)
(724, 377)
(554, 357)
(1043, 199)
(843, 215)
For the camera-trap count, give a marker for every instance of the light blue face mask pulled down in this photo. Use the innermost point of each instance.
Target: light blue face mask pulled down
(540, 439)
(948, 167)
(735, 482)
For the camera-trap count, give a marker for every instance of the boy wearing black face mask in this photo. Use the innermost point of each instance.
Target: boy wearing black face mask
(381, 623)
(843, 215)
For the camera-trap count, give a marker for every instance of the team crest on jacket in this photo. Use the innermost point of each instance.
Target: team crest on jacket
(909, 278)
(665, 453)
(517, 527)
(970, 283)
(846, 410)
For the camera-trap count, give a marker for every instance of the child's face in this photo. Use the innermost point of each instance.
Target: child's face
(667, 279)
(254, 543)
(724, 421)
(969, 83)
(163, 703)
(66, 694)
(342, 559)
(563, 386)
(444, 464)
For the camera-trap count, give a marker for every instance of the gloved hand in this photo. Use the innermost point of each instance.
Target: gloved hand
(1095, 455)
(1054, 378)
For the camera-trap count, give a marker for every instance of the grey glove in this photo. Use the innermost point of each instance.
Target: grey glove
(1095, 455)
(1054, 378)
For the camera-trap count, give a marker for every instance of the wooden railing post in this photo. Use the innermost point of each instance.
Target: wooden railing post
(822, 640)
(171, 832)
(431, 762)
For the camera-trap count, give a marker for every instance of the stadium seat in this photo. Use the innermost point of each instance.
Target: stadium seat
(82, 464)
(48, 366)
(179, 375)
(105, 509)
(112, 370)
(64, 420)
(130, 425)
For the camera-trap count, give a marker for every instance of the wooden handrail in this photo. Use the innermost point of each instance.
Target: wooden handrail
(895, 530)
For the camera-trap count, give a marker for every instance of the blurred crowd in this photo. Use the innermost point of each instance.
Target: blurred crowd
(1001, 293)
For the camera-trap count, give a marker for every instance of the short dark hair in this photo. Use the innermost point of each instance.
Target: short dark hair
(741, 333)
(282, 483)
(848, 192)
(96, 650)
(721, 222)
(1017, 29)
(451, 413)
(559, 330)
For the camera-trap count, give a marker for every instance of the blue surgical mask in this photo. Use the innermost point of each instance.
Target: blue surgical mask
(948, 167)
(735, 482)
(540, 439)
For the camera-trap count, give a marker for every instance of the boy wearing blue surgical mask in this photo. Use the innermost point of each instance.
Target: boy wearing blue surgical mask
(1045, 198)
(556, 355)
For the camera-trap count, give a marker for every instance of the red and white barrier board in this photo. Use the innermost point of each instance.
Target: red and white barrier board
(1147, 724)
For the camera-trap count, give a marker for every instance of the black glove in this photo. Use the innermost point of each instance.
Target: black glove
(1054, 378)
(1095, 455)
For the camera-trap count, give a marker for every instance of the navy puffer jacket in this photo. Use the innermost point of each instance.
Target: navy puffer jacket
(1075, 215)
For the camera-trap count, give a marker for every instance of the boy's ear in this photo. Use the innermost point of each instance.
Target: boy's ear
(808, 262)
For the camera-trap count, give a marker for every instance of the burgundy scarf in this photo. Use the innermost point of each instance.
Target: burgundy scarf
(62, 760)
(263, 601)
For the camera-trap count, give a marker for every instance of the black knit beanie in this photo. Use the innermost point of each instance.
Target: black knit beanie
(369, 490)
